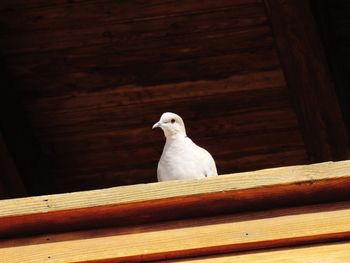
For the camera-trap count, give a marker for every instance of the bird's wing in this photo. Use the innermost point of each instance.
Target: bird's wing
(211, 169)
(160, 171)
(207, 161)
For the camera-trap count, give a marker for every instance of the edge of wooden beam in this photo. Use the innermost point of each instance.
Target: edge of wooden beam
(126, 205)
(329, 252)
(187, 238)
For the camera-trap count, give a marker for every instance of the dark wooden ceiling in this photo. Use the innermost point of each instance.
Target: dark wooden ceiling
(333, 20)
(93, 76)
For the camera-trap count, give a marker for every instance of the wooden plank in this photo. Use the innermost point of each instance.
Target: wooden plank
(80, 14)
(176, 199)
(20, 139)
(185, 238)
(274, 118)
(308, 79)
(333, 19)
(235, 95)
(92, 57)
(328, 252)
(135, 94)
(131, 35)
(246, 104)
(81, 78)
(148, 8)
(132, 50)
(11, 184)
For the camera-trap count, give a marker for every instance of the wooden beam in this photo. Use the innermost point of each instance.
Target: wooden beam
(20, 139)
(308, 79)
(331, 252)
(11, 184)
(204, 236)
(332, 18)
(143, 203)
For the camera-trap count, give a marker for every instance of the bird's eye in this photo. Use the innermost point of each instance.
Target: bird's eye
(172, 120)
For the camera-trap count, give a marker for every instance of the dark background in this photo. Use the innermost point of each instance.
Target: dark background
(260, 84)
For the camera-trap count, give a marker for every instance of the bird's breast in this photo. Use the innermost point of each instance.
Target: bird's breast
(179, 161)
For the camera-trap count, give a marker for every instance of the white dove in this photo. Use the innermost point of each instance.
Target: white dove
(181, 157)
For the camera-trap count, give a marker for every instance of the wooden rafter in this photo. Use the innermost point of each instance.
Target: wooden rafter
(128, 205)
(183, 218)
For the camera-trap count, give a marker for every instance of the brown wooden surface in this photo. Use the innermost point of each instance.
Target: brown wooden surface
(11, 184)
(144, 203)
(333, 20)
(329, 252)
(308, 78)
(20, 145)
(191, 237)
(94, 76)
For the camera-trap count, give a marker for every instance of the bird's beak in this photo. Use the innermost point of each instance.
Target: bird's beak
(157, 125)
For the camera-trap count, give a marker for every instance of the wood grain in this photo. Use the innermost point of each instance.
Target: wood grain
(21, 144)
(186, 238)
(93, 76)
(328, 252)
(149, 51)
(176, 199)
(308, 79)
(333, 18)
(11, 184)
(78, 132)
(66, 15)
(136, 32)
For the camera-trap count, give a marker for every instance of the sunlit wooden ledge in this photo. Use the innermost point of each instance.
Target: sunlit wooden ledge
(127, 205)
(277, 208)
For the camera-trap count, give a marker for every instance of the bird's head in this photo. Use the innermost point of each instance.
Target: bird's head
(172, 124)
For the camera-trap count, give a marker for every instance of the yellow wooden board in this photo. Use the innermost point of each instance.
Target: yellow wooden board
(147, 192)
(176, 199)
(185, 238)
(321, 253)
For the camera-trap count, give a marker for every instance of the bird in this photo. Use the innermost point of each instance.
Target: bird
(181, 157)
